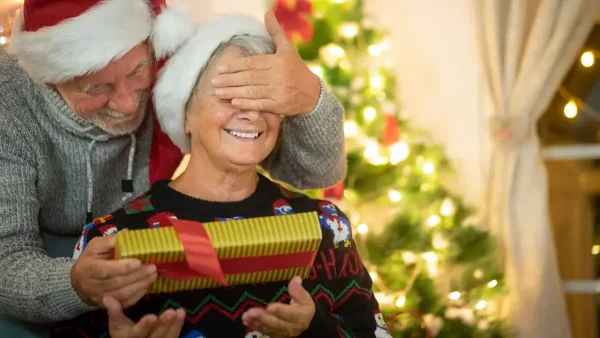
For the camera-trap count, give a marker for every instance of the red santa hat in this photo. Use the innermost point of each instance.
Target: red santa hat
(57, 40)
(189, 48)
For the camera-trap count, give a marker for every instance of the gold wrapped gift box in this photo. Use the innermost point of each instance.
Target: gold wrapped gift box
(246, 251)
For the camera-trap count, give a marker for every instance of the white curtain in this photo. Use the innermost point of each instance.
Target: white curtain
(527, 46)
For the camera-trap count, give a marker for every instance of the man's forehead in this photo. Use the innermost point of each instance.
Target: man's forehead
(139, 56)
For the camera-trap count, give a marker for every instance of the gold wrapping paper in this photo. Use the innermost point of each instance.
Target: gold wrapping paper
(263, 236)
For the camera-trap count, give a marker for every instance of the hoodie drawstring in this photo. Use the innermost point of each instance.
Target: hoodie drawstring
(90, 183)
(126, 184)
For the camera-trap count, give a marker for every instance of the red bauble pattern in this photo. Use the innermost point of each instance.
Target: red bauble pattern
(294, 18)
(391, 131)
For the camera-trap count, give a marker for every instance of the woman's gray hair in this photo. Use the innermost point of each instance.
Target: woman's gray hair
(250, 45)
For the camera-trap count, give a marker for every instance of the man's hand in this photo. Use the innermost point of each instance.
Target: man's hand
(280, 320)
(279, 83)
(95, 275)
(168, 325)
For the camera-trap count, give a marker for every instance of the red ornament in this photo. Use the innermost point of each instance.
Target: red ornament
(294, 18)
(334, 192)
(391, 131)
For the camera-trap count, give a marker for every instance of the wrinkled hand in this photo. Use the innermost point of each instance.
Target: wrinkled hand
(279, 83)
(168, 325)
(95, 275)
(282, 320)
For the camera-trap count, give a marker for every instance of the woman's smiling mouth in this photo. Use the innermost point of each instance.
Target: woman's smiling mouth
(243, 135)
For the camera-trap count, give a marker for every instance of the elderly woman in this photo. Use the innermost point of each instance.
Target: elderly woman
(221, 182)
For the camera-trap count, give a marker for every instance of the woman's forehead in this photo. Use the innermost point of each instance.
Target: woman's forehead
(227, 56)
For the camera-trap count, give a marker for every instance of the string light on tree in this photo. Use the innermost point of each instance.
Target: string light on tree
(349, 30)
(362, 228)
(431, 259)
(395, 196)
(3, 40)
(376, 81)
(448, 208)
(375, 50)
(379, 160)
(492, 284)
(350, 129)
(409, 257)
(334, 50)
(332, 54)
(454, 295)
(570, 109)
(428, 168)
(588, 59)
(371, 150)
(372, 155)
(433, 220)
(399, 152)
(481, 305)
(439, 242)
(370, 113)
(596, 249)
(401, 301)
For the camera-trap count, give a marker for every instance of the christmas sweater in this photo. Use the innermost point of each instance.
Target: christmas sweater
(339, 283)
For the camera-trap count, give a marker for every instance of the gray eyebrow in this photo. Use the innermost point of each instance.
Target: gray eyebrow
(141, 65)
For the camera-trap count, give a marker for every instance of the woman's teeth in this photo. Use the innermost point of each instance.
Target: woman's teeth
(243, 135)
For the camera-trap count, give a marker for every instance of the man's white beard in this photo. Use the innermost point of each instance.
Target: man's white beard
(118, 124)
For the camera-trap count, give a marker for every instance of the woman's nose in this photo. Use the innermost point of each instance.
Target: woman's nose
(124, 99)
(248, 115)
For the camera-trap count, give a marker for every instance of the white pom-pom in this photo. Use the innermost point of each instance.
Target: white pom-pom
(172, 27)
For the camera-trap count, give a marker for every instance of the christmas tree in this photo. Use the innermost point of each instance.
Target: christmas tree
(434, 270)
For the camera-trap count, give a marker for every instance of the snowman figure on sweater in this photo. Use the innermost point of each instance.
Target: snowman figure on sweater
(282, 207)
(382, 329)
(330, 219)
(254, 334)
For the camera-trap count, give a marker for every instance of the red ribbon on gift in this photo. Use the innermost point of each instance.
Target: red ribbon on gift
(201, 258)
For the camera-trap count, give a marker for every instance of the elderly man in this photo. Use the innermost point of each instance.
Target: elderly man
(78, 139)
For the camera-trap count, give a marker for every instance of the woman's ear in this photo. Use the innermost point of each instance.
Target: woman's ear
(189, 111)
(186, 124)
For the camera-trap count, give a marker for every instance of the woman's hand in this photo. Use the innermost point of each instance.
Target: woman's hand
(168, 325)
(279, 83)
(281, 320)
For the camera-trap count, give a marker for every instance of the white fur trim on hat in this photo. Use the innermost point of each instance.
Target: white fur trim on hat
(83, 44)
(178, 77)
(171, 29)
